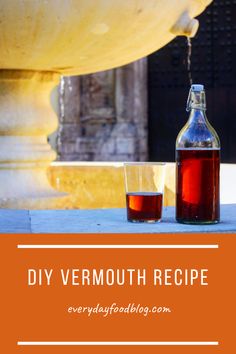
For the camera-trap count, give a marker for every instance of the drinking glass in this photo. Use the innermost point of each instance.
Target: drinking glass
(144, 184)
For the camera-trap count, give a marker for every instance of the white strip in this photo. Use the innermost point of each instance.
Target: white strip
(214, 246)
(88, 163)
(198, 148)
(117, 343)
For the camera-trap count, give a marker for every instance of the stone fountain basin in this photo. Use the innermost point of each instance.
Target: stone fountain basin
(83, 36)
(43, 39)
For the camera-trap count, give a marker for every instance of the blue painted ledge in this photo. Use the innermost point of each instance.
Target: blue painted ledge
(103, 221)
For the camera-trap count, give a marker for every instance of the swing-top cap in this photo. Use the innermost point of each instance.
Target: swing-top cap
(197, 87)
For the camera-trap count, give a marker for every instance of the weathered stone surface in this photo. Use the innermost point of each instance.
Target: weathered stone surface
(104, 115)
(69, 99)
(27, 101)
(14, 221)
(97, 96)
(115, 221)
(105, 221)
(125, 146)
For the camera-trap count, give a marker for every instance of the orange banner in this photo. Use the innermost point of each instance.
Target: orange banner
(118, 293)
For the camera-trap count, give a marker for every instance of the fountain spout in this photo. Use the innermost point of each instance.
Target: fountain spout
(185, 26)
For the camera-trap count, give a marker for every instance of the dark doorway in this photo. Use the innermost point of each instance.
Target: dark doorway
(213, 64)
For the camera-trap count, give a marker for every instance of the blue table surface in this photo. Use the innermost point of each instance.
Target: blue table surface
(104, 221)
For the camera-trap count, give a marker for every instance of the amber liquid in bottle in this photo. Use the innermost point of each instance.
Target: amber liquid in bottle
(197, 199)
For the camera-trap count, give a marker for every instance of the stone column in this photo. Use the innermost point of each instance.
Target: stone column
(28, 103)
(104, 115)
(131, 112)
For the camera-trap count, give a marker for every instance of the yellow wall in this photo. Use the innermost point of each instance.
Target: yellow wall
(94, 185)
(98, 185)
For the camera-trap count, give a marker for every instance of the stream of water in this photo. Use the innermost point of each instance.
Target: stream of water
(189, 54)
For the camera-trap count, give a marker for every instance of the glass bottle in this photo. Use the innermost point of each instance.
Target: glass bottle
(197, 165)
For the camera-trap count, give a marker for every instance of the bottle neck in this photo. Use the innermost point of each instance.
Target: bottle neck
(196, 101)
(197, 132)
(197, 116)
(196, 104)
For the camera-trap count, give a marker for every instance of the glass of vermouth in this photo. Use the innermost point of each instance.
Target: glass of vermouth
(144, 184)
